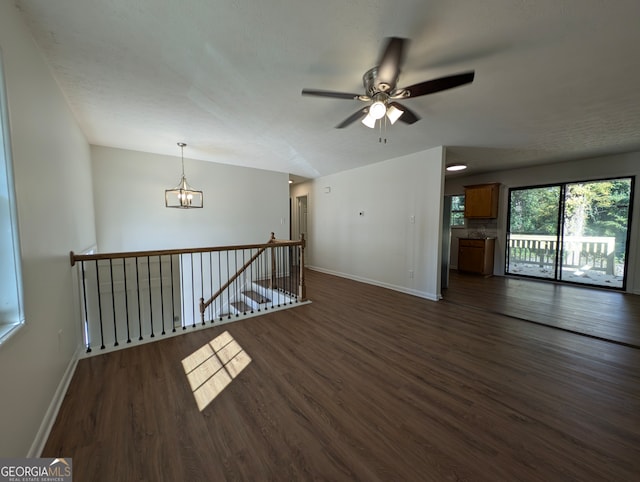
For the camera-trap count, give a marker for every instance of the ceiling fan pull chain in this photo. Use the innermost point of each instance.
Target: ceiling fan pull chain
(385, 128)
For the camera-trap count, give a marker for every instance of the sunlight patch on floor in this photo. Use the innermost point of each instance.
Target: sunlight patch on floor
(213, 366)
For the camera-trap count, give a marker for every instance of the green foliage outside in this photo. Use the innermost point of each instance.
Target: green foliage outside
(599, 208)
(535, 211)
(457, 210)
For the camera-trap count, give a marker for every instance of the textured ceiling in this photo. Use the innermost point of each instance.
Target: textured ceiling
(555, 79)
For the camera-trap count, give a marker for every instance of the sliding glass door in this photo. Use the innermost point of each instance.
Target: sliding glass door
(533, 231)
(574, 232)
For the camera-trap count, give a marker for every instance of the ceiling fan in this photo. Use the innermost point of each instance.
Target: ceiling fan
(381, 91)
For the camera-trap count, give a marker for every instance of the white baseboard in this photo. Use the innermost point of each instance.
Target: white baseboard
(402, 289)
(54, 407)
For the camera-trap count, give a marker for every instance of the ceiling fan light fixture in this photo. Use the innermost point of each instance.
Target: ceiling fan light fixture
(393, 113)
(377, 110)
(381, 88)
(369, 121)
(456, 167)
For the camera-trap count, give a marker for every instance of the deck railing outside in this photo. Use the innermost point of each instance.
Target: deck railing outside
(134, 297)
(598, 252)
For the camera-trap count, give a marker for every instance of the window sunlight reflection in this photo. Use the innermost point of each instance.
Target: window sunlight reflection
(213, 366)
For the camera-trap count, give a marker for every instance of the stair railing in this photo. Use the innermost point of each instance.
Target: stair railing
(133, 297)
(286, 273)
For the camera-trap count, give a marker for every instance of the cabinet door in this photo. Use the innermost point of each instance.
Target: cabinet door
(471, 259)
(481, 201)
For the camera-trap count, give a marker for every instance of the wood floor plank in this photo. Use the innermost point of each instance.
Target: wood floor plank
(368, 384)
(606, 314)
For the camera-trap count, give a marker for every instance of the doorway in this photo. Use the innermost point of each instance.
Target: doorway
(300, 217)
(574, 232)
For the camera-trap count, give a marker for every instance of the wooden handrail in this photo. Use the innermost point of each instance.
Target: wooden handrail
(270, 244)
(171, 296)
(74, 258)
(204, 304)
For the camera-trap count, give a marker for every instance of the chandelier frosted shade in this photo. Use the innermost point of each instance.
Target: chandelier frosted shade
(183, 196)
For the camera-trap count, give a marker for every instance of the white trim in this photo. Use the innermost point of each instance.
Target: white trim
(402, 289)
(54, 407)
(7, 330)
(15, 258)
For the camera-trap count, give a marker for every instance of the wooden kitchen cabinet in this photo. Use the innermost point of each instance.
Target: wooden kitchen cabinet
(476, 255)
(481, 201)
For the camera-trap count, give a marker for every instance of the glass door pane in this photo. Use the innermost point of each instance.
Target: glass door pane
(595, 232)
(532, 233)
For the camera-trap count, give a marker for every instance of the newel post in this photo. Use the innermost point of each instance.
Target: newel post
(272, 282)
(302, 288)
(203, 307)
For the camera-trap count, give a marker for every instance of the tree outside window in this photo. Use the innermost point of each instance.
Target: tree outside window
(457, 211)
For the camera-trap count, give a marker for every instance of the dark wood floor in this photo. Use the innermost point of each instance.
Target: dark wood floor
(600, 313)
(365, 384)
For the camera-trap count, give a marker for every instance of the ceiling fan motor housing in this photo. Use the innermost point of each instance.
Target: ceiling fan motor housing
(372, 86)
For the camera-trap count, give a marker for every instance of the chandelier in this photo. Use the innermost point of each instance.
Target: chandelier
(183, 196)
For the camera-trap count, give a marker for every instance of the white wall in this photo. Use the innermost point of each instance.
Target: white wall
(52, 172)
(620, 165)
(383, 245)
(241, 205)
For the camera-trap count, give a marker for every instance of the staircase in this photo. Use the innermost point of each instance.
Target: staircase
(255, 297)
(131, 298)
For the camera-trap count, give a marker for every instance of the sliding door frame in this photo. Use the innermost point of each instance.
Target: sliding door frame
(560, 224)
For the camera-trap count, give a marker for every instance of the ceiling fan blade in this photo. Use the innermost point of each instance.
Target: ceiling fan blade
(389, 64)
(330, 93)
(408, 116)
(437, 85)
(353, 117)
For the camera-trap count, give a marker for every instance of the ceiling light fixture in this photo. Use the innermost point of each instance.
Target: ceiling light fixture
(377, 110)
(456, 167)
(393, 113)
(369, 121)
(183, 196)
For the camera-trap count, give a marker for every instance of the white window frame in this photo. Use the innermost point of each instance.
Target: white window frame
(12, 318)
